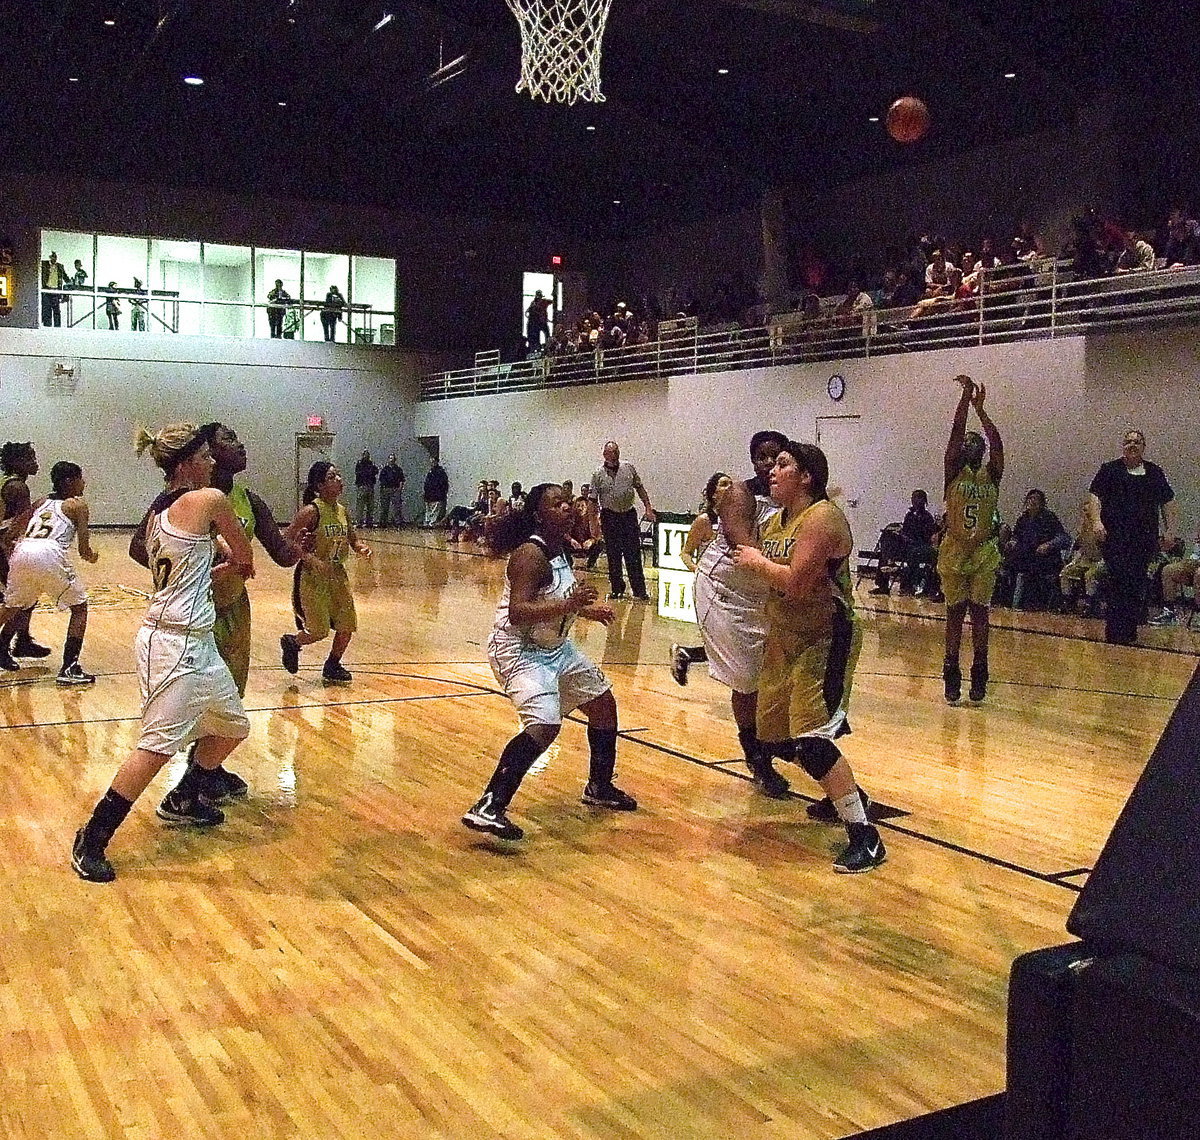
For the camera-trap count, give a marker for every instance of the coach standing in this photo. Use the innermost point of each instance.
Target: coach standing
(614, 485)
(1127, 497)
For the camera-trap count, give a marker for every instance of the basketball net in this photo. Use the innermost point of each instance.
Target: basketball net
(560, 48)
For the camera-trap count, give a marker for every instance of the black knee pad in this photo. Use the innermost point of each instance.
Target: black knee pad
(817, 756)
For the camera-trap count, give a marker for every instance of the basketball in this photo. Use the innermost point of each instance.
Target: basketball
(907, 119)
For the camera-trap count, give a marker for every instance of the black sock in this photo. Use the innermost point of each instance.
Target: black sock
(516, 759)
(108, 814)
(332, 660)
(71, 650)
(748, 739)
(602, 761)
(193, 782)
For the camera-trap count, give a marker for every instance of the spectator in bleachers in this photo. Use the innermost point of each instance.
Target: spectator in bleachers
(1082, 577)
(857, 301)
(1183, 239)
(1137, 256)
(1033, 555)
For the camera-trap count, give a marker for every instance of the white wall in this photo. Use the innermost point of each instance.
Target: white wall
(263, 389)
(1061, 407)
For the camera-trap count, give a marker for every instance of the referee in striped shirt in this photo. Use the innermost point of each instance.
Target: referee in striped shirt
(615, 484)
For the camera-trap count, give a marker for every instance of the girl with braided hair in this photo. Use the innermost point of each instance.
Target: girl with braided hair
(544, 673)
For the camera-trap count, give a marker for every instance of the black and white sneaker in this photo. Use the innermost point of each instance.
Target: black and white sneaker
(617, 596)
(189, 810)
(680, 660)
(7, 663)
(289, 650)
(823, 810)
(952, 678)
(610, 797)
(490, 820)
(225, 785)
(27, 647)
(336, 673)
(73, 674)
(864, 853)
(979, 680)
(87, 864)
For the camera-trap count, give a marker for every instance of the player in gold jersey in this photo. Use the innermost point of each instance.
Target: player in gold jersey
(813, 641)
(969, 555)
(321, 595)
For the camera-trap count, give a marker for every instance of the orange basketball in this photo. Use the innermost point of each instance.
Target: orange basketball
(907, 119)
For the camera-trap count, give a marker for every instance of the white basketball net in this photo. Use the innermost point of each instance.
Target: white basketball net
(560, 48)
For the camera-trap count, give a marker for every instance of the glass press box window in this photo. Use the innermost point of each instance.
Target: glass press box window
(129, 284)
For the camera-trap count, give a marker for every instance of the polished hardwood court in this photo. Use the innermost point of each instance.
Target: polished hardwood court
(341, 959)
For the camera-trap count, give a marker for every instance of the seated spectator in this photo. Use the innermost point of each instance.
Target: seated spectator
(941, 283)
(1168, 552)
(1178, 574)
(1137, 256)
(568, 487)
(1033, 555)
(584, 540)
(458, 518)
(1081, 578)
(857, 302)
(1183, 239)
(911, 547)
(516, 498)
(1096, 245)
(477, 526)
(987, 256)
(907, 292)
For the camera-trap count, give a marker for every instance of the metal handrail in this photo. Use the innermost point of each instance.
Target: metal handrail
(1029, 302)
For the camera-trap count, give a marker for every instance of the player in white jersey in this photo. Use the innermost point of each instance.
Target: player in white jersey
(39, 564)
(731, 601)
(187, 691)
(544, 673)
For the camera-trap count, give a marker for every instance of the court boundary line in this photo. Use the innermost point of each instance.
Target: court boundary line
(632, 736)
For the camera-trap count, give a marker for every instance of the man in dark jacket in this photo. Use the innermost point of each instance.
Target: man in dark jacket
(365, 474)
(437, 489)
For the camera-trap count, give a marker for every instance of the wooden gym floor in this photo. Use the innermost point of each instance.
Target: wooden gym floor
(343, 959)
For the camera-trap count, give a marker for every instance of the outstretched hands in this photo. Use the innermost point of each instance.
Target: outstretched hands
(978, 396)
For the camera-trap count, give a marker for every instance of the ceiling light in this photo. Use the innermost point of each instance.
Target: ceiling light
(589, 128)
(283, 102)
(193, 81)
(72, 78)
(616, 201)
(722, 71)
(110, 23)
(383, 21)
(873, 119)
(1010, 75)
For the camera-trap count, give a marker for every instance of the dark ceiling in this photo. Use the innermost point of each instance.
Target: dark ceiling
(366, 120)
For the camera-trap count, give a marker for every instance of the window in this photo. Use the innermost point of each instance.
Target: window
(228, 290)
(373, 299)
(274, 268)
(162, 285)
(176, 287)
(321, 272)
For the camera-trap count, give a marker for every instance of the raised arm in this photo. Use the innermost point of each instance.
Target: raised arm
(992, 434)
(958, 429)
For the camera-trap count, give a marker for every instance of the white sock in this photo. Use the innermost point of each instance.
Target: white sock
(850, 808)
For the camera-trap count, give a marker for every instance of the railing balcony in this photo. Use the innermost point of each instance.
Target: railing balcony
(1027, 302)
